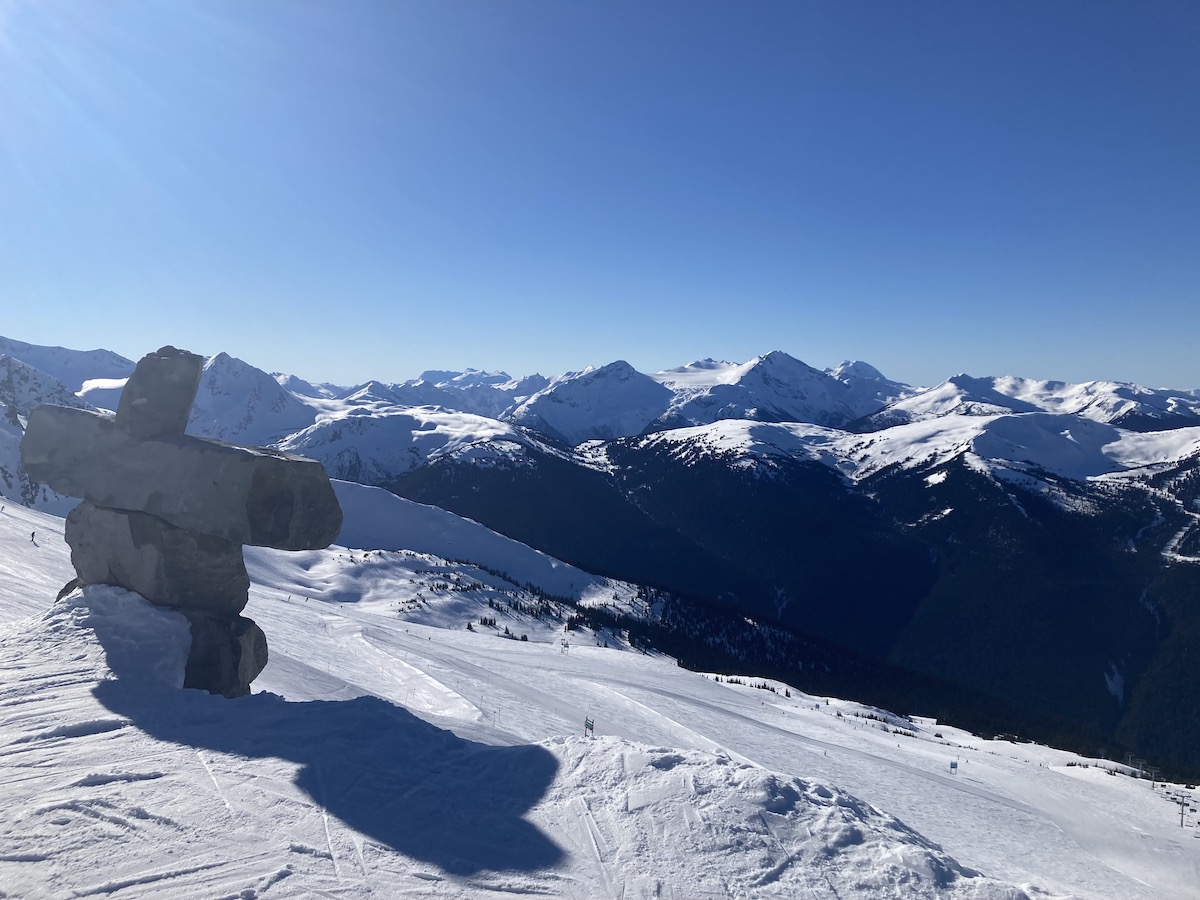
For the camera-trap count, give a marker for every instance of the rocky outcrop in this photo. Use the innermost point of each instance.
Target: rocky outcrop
(165, 514)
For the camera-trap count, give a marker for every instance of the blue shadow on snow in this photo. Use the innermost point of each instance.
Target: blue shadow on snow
(419, 789)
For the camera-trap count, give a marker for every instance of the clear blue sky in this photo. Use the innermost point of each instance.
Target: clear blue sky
(369, 188)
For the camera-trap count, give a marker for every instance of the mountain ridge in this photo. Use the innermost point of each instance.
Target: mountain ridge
(906, 525)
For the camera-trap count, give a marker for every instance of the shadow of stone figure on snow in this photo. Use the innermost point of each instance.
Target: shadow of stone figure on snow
(418, 789)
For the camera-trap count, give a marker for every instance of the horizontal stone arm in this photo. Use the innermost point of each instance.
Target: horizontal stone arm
(249, 496)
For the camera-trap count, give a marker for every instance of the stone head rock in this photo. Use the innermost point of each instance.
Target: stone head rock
(157, 399)
(166, 514)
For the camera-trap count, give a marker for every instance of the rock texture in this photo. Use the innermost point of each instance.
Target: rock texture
(250, 496)
(169, 566)
(165, 514)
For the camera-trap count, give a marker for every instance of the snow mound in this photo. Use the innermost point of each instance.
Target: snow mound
(658, 818)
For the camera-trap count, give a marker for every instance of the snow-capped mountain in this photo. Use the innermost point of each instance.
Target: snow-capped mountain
(375, 445)
(22, 388)
(72, 367)
(473, 390)
(1129, 406)
(991, 520)
(770, 388)
(240, 404)
(618, 401)
(1037, 442)
(870, 390)
(296, 385)
(612, 401)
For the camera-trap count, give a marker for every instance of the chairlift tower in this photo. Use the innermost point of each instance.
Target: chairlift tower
(1183, 800)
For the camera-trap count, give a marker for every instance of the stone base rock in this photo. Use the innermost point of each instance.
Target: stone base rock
(227, 654)
(168, 566)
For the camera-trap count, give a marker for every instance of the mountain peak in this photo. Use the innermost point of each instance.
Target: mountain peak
(856, 369)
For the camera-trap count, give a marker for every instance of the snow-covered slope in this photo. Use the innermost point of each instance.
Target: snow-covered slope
(296, 385)
(372, 444)
(770, 388)
(391, 752)
(959, 395)
(240, 404)
(378, 520)
(474, 391)
(1130, 406)
(71, 367)
(1061, 444)
(869, 389)
(612, 401)
(22, 388)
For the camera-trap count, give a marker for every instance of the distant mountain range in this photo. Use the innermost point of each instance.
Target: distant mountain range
(1029, 544)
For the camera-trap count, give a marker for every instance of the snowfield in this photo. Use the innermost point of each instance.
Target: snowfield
(390, 752)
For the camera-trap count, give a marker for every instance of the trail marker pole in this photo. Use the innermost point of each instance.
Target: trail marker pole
(589, 727)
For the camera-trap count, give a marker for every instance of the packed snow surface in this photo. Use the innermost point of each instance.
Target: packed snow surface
(392, 752)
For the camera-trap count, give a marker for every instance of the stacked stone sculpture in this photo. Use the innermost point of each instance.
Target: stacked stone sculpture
(165, 514)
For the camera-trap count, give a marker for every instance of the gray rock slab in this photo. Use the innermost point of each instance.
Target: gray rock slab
(227, 654)
(248, 496)
(169, 566)
(157, 399)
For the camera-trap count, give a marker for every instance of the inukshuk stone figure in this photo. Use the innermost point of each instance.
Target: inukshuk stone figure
(166, 514)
